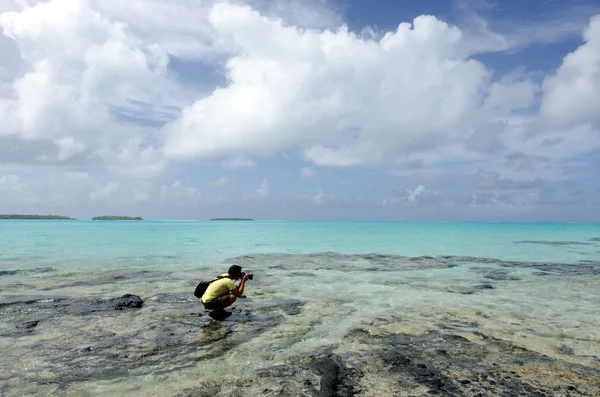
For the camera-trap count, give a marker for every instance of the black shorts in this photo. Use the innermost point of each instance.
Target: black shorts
(217, 302)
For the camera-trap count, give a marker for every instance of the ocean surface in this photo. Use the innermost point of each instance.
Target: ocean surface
(91, 245)
(536, 285)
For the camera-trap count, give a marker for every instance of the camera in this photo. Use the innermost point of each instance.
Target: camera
(250, 276)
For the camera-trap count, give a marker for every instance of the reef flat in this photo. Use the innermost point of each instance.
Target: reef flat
(321, 324)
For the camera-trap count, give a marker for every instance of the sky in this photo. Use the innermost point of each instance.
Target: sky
(317, 110)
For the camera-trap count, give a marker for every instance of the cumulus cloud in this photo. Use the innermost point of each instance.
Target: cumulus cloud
(573, 93)
(264, 189)
(222, 182)
(238, 162)
(419, 196)
(183, 27)
(307, 172)
(319, 197)
(104, 192)
(343, 98)
(492, 180)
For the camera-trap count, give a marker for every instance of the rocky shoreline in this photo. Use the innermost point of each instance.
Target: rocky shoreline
(141, 332)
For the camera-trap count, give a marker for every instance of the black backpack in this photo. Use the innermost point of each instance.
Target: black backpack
(201, 288)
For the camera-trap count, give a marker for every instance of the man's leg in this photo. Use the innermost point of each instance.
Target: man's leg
(221, 303)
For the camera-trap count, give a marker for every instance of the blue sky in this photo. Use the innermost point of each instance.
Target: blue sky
(473, 110)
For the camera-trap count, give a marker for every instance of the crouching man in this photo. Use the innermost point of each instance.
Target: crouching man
(222, 293)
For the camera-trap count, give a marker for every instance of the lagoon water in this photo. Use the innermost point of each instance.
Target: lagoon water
(536, 285)
(91, 245)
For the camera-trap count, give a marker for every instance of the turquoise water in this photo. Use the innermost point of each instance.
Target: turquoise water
(535, 285)
(93, 245)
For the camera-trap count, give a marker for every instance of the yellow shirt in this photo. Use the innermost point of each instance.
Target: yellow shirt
(218, 288)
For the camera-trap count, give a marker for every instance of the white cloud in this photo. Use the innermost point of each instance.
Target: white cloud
(264, 188)
(572, 95)
(488, 33)
(104, 192)
(140, 195)
(85, 86)
(319, 197)
(307, 172)
(136, 160)
(418, 190)
(418, 196)
(182, 27)
(221, 182)
(80, 73)
(68, 147)
(11, 185)
(345, 99)
(238, 162)
(179, 194)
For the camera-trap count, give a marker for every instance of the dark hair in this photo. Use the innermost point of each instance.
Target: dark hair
(235, 270)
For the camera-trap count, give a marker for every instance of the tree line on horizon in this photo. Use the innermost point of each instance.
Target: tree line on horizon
(66, 218)
(26, 216)
(96, 218)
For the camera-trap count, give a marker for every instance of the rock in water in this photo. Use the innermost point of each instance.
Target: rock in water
(127, 300)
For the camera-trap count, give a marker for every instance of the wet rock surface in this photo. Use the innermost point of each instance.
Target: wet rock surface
(434, 363)
(127, 328)
(114, 338)
(495, 274)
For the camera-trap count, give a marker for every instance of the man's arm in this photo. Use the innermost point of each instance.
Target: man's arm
(239, 291)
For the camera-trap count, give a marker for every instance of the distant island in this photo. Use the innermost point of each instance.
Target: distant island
(37, 217)
(232, 219)
(116, 218)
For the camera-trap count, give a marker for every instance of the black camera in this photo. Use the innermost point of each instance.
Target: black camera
(250, 276)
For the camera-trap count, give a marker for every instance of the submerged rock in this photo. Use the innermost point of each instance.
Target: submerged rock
(434, 363)
(495, 274)
(552, 242)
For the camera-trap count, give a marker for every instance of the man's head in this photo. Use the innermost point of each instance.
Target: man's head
(235, 272)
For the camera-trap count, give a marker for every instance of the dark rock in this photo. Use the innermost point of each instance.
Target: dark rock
(290, 307)
(20, 272)
(28, 325)
(336, 379)
(494, 274)
(127, 300)
(483, 286)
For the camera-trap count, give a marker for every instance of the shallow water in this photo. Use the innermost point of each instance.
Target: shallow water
(298, 302)
(94, 245)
